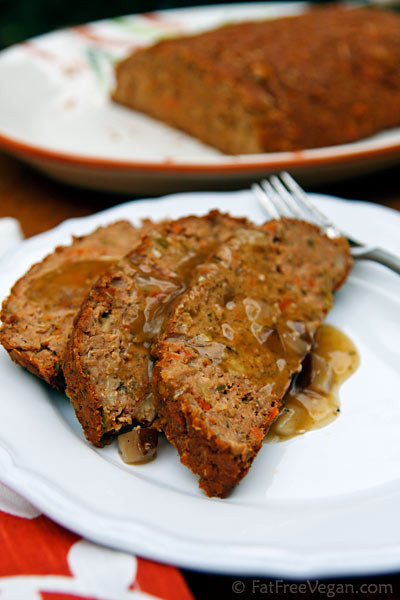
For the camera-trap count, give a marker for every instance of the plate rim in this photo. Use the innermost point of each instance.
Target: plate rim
(287, 563)
(296, 160)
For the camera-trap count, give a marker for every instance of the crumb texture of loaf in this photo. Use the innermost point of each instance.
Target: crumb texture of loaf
(108, 363)
(236, 338)
(330, 76)
(37, 316)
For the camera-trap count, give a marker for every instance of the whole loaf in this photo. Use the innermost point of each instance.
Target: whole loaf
(326, 77)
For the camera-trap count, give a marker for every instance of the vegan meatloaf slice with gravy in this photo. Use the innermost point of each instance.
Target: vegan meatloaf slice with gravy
(37, 316)
(108, 364)
(329, 76)
(236, 338)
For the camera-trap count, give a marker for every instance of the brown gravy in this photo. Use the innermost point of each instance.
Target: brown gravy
(67, 286)
(313, 400)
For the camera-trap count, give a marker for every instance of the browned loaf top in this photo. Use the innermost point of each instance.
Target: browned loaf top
(327, 77)
(38, 314)
(108, 359)
(235, 339)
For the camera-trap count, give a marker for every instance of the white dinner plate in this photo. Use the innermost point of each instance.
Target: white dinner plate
(325, 503)
(56, 114)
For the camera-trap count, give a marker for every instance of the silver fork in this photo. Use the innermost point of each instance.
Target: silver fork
(283, 197)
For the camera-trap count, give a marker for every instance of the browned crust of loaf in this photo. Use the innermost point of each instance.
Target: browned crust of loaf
(108, 389)
(328, 77)
(35, 333)
(220, 466)
(216, 417)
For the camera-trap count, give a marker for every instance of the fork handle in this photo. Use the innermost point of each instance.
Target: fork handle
(377, 255)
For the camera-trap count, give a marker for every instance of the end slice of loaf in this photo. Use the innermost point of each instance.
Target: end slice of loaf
(37, 316)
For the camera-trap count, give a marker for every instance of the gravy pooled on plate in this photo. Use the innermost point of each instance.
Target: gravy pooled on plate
(313, 400)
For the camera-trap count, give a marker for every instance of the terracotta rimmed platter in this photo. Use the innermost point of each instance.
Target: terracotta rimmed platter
(56, 115)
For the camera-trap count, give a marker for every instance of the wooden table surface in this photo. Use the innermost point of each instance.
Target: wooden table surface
(40, 204)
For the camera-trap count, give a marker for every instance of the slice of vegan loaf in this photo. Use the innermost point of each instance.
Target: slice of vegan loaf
(37, 316)
(235, 339)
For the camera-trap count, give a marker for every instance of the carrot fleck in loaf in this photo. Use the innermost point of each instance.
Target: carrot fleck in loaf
(330, 76)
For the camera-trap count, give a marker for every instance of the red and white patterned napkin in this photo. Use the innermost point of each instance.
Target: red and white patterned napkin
(39, 560)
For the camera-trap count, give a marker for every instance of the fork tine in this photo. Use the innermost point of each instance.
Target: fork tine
(275, 197)
(286, 198)
(304, 202)
(265, 201)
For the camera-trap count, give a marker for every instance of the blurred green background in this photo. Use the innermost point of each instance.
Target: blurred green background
(22, 19)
